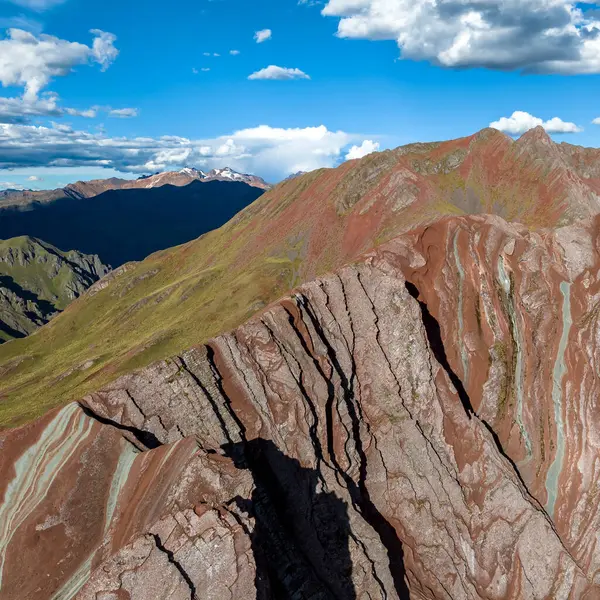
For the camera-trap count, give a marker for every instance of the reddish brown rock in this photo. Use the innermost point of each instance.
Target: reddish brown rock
(351, 441)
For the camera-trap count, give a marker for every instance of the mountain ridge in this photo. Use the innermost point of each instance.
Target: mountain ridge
(88, 189)
(301, 229)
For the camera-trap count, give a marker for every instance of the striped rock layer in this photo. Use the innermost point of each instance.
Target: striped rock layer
(421, 424)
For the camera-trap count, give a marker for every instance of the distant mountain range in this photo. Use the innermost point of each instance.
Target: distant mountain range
(128, 224)
(88, 189)
(37, 281)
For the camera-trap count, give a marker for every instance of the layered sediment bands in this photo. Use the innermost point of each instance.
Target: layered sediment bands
(526, 325)
(359, 439)
(73, 489)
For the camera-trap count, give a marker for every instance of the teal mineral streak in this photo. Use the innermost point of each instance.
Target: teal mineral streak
(506, 286)
(119, 480)
(72, 587)
(36, 469)
(461, 320)
(560, 369)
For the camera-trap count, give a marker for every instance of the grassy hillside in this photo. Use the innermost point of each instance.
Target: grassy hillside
(302, 228)
(37, 281)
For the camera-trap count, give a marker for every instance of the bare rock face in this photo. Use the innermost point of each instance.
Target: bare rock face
(420, 425)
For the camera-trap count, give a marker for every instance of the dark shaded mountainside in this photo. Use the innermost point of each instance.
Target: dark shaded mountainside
(404, 405)
(37, 281)
(128, 225)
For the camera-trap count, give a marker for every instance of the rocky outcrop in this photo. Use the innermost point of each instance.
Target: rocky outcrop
(37, 281)
(366, 437)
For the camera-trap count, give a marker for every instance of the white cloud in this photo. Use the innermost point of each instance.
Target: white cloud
(38, 4)
(263, 35)
(31, 61)
(205, 69)
(278, 73)
(271, 152)
(195, 71)
(17, 110)
(520, 122)
(89, 113)
(367, 147)
(234, 52)
(548, 36)
(123, 113)
(10, 185)
(596, 121)
(35, 178)
(22, 110)
(103, 48)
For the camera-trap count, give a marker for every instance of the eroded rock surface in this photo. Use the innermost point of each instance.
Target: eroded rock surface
(368, 437)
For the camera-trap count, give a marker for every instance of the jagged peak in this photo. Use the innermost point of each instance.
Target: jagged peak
(537, 134)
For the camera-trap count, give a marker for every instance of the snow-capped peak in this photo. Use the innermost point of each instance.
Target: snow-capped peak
(191, 172)
(227, 173)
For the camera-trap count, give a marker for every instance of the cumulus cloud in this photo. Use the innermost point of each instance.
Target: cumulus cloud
(520, 122)
(274, 72)
(31, 61)
(367, 147)
(544, 36)
(596, 121)
(123, 113)
(271, 152)
(234, 52)
(35, 178)
(263, 35)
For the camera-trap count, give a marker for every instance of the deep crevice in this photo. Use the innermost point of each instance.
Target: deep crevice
(147, 439)
(210, 355)
(434, 336)
(211, 400)
(177, 565)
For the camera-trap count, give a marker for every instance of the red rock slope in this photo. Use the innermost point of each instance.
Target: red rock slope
(421, 424)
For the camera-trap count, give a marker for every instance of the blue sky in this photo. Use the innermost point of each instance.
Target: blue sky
(371, 75)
